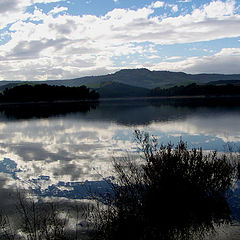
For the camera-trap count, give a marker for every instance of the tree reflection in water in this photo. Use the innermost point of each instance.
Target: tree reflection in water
(45, 110)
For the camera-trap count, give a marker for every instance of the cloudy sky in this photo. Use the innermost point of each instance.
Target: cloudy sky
(52, 39)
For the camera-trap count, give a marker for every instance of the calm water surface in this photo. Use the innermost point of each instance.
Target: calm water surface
(52, 150)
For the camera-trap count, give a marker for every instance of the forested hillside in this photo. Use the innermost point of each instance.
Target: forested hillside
(195, 90)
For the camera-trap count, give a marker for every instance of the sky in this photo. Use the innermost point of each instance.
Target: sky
(52, 39)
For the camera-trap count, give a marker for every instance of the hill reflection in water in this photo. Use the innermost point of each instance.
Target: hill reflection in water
(126, 112)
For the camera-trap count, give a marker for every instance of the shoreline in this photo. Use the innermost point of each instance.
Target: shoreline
(89, 101)
(168, 97)
(2, 104)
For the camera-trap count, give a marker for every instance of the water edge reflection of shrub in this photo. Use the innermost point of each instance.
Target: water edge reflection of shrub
(175, 194)
(45, 219)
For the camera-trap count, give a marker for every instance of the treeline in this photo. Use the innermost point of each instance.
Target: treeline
(44, 92)
(195, 90)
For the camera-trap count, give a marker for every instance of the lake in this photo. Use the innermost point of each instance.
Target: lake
(56, 149)
(46, 146)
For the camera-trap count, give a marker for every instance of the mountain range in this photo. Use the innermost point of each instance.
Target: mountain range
(135, 82)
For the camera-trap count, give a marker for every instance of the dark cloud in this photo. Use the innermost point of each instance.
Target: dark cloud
(75, 171)
(8, 5)
(32, 49)
(35, 152)
(63, 29)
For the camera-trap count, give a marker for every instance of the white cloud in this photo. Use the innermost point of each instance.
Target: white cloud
(174, 58)
(157, 4)
(217, 9)
(227, 61)
(229, 52)
(14, 10)
(68, 46)
(58, 10)
(46, 1)
(185, 1)
(175, 8)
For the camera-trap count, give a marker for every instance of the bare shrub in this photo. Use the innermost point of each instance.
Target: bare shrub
(175, 194)
(36, 219)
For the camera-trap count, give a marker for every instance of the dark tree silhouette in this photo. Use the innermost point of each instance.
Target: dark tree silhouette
(44, 92)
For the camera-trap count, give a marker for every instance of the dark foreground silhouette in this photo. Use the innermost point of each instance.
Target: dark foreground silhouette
(175, 194)
(171, 193)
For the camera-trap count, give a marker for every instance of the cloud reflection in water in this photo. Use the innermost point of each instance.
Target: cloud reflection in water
(79, 146)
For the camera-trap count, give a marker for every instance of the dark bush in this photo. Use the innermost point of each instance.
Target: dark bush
(175, 193)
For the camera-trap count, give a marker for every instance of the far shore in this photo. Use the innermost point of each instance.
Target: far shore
(89, 101)
(48, 102)
(167, 97)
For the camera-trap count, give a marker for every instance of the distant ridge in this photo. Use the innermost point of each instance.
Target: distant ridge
(125, 80)
(150, 79)
(115, 89)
